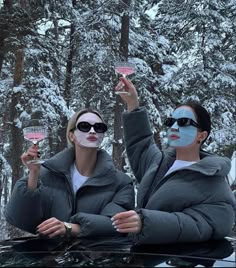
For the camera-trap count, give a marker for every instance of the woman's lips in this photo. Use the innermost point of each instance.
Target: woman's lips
(91, 138)
(173, 137)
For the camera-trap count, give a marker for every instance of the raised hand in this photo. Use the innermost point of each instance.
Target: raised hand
(131, 98)
(30, 154)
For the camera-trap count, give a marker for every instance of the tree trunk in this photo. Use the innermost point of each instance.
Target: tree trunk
(67, 87)
(3, 140)
(16, 135)
(2, 53)
(124, 41)
(1, 183)
(118, 144)
(69, 65)
(8, 4)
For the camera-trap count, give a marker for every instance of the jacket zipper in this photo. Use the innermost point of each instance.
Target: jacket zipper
(73, 196)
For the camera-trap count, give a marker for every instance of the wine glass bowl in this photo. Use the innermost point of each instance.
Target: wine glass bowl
(35, 131)
(124, 68)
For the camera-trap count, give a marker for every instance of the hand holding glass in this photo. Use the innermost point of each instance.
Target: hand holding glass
(35, 133)
(125, 68)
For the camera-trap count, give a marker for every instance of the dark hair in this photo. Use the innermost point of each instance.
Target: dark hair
(203, 117)
(73, 120)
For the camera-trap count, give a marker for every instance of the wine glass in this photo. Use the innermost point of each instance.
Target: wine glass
(125, 68)
(35, 131)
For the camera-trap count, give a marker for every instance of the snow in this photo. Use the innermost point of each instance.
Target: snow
(191, 68)
(232, 173)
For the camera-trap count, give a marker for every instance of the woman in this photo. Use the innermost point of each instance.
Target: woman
(183, 195)
(76, 192)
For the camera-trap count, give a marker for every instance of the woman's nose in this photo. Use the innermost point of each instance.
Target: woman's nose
(175, 126)
(92, 130)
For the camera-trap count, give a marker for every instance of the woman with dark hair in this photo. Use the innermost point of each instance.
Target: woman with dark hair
(76, 192)
(182, 194)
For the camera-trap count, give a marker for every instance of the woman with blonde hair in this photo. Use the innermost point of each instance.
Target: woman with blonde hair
(76, 192)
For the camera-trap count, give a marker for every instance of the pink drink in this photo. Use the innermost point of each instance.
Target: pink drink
(34, 136)
(124, 70)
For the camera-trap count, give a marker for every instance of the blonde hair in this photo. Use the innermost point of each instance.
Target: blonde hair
(72, 123)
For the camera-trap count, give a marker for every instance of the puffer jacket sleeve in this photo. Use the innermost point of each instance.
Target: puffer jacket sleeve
(101, 225)
(24, 207)
(140, 146)
(194, 224)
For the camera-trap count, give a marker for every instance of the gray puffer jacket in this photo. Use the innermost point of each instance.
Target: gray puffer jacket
(192, 204)
(107, 192)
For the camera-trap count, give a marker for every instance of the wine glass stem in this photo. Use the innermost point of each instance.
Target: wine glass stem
(35, 143)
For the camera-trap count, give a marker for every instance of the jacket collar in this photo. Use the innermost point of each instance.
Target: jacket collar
(61, 163)
(209, 164)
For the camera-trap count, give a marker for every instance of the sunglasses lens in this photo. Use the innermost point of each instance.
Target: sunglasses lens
(100, 127)
(84, 126)
(169, 122)
(182, 122)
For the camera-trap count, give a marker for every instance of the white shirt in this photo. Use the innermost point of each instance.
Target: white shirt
(179, 164)
(77, 179)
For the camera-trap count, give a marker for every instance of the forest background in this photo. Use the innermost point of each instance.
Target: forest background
(58, 56)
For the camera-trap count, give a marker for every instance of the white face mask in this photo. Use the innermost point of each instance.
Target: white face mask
(90, 139)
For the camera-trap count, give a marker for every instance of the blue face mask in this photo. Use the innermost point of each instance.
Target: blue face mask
(182, 136)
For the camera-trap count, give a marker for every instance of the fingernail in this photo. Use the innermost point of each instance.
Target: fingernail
(112, 219)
